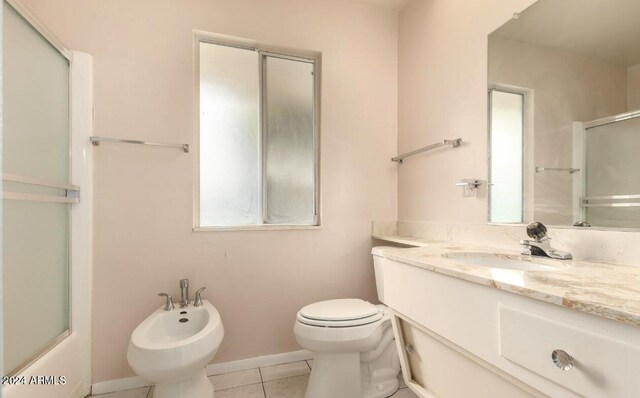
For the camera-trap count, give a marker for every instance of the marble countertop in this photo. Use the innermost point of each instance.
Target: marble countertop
(608, 290)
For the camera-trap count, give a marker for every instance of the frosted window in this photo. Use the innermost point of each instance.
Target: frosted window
(229, 136)
(506, 157)
(257, 138)
(289, 142)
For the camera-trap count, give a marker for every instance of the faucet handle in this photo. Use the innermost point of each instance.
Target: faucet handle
(169, 305)
(537, 231)
(197, 302)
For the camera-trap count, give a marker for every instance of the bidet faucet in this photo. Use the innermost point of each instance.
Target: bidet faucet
(197, 301)
(184, 292)
(541, 245)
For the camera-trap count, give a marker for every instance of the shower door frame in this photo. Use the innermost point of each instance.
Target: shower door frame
(581, 129)
(69, 354)
(62, 50)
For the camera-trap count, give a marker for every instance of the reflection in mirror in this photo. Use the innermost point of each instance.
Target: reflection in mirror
(506, 122)
(577, 62)
(612, 185)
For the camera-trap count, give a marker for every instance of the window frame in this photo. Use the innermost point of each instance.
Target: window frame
(313, 57)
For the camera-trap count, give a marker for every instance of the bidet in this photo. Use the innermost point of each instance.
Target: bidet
(172, 348)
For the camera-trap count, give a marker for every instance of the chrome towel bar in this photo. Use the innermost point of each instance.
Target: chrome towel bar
(97, 140)
(541, 169)
(609, 201)
(37, 181)
(71, 194)
(39, 198)
(454, 143)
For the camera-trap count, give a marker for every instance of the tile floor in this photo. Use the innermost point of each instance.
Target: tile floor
(288, 380)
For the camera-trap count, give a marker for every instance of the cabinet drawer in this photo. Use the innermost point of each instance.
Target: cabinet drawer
(600, 365)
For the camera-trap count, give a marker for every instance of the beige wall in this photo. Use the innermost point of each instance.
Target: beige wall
(143, 196)
(442, 93)
(567, 87)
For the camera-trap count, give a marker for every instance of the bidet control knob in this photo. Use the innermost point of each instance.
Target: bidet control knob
(169, 305)
(197, 302)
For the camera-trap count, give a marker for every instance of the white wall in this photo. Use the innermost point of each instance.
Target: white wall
(143, 240)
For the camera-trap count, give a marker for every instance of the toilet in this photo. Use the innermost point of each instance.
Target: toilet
(356, 354)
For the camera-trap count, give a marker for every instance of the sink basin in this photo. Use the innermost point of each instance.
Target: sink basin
(505, 261)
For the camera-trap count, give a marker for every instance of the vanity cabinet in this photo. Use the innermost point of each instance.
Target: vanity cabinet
(460, 339)
(437, 368)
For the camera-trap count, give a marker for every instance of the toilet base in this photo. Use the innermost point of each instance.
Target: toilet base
(381, 390)
(197, 386)
(335, 376)
(340, 376)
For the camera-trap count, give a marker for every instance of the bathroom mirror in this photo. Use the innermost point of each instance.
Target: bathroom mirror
(564, 115)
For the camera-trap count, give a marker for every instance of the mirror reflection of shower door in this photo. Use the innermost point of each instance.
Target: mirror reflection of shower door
(37, 193)
(612, 180)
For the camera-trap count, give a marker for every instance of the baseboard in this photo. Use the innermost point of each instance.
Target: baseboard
(129, 383)
(115, 385)
(251, 363)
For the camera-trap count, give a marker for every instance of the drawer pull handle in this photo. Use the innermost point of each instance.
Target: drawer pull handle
(409, 349)
(562, 360)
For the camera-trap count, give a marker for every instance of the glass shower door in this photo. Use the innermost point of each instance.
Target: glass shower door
(36, 193)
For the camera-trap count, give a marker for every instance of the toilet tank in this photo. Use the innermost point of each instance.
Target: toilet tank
(378, 267)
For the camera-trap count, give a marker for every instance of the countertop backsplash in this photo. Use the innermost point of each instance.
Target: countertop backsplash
(610, 246)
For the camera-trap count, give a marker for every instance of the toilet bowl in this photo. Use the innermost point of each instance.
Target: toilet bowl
(355, 349)
(172, 349)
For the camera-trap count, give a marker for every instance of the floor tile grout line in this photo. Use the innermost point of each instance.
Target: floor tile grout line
(262, 383)
(264, 391)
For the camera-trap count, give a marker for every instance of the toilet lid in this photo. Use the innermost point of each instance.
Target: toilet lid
(339, 313)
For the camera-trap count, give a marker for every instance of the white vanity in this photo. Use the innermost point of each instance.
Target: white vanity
(552, 328)
(563, 140)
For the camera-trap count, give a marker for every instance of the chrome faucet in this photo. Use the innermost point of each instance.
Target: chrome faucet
(541, 245)
(169, 304)
(197, 301)
(184, 292)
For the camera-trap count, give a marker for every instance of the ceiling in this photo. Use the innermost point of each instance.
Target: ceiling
(606, 29)
(388, 4)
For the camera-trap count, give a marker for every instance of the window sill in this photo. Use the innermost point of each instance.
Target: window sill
(258, 228)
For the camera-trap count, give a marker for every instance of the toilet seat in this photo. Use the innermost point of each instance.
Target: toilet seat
(339, 313)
